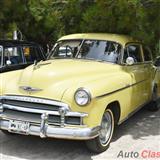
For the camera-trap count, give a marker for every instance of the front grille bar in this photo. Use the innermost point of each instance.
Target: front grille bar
(40, 111)
(35, 100)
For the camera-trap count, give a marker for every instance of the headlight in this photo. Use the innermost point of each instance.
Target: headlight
(82, 97)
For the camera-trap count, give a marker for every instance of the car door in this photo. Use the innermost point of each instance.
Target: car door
(137, 74)
(149, 73)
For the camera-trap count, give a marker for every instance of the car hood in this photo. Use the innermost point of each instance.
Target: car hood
(53, 77)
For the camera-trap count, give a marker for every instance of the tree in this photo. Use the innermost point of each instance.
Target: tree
(44, 21)
(140, 19)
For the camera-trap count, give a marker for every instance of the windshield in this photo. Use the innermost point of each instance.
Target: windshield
(98, 50)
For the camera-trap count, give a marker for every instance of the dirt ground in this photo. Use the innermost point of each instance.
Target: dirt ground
(141, 132)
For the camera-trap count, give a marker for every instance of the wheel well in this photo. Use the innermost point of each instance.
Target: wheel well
(115, 107)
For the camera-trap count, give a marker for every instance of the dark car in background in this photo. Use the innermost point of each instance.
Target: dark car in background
(16, 54)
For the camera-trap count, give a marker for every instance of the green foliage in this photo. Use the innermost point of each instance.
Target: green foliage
(46, 20)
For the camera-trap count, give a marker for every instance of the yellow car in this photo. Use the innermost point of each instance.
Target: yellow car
(89, 84)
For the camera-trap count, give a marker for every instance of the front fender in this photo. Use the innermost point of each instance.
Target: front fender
(103, 92)
(102, 86)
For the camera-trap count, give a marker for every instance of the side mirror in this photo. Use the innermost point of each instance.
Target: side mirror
(130, 61)
(8, 62)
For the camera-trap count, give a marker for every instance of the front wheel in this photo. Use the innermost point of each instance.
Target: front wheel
(101, 143)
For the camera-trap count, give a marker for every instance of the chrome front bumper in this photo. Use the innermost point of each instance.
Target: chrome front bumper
(43, 127)
(45, 130)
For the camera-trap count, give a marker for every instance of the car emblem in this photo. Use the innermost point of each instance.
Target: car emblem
(30, 89)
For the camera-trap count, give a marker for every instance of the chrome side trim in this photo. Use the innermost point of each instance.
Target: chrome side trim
(40, 111)
(35, 100)
(120, 89)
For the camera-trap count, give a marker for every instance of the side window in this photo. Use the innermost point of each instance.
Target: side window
(133, 51)
(31, 54)
(13, 56)
(147, 54)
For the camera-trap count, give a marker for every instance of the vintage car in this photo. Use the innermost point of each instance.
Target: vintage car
(16, 54)
(98, 82)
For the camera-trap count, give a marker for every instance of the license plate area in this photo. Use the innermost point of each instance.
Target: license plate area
(20, 127)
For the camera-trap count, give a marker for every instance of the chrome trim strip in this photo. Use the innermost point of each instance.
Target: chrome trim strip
(35, 100)
(58, 132)
(128, 86)
(40, 111)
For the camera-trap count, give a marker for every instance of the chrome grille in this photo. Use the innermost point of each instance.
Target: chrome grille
(36, 117)
(31, 109)
(24, 116)
(31, 105)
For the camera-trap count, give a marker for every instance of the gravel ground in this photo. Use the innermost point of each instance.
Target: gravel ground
(140, 132)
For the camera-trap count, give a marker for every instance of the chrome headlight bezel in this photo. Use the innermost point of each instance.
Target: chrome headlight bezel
(87, 95)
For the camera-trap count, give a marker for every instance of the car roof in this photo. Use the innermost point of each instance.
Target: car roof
(16, 43)
(122, 39)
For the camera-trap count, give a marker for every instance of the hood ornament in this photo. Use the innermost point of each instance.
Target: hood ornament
(30, 89)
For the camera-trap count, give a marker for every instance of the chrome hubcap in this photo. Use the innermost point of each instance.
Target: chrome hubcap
(106, 128)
